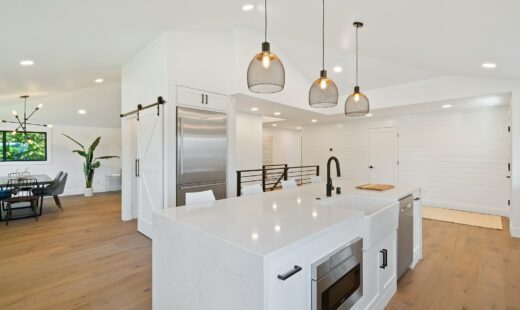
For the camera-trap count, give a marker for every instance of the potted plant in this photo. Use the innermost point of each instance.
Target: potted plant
(91, 163)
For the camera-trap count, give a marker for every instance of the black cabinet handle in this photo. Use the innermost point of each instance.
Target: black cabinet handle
(289, 274)
(417, 198)
(202, 98)
(207, 101)
(371, 167)
(385, 258)
(136, 168)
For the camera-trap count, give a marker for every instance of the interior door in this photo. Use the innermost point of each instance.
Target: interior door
(384, 152)
(149, 168)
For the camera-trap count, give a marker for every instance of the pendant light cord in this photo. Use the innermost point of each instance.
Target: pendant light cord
(357, 53)
(265, 21)
(323, 37)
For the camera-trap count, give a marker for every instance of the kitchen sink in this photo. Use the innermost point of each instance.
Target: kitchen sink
(381, 216)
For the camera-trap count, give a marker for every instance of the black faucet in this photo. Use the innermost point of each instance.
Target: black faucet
(330, 188)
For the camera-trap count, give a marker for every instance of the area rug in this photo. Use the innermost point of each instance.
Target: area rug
(461, 217)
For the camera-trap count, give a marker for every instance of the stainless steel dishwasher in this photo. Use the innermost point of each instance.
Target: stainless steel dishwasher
(405, 235)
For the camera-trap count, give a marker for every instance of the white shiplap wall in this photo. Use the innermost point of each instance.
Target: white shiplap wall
(458, 157)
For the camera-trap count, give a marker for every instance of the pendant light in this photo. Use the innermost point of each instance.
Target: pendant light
(323, 92)
(265, 73)
(357, 103)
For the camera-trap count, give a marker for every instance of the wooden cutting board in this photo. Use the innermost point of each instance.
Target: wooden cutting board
(375, 187)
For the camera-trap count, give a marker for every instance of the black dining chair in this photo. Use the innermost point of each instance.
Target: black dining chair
(21, 192)
(55, 189)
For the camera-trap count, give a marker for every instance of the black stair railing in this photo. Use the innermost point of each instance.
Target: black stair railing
(271, 176)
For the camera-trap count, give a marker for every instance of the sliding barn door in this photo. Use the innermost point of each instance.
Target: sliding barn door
(150, 173)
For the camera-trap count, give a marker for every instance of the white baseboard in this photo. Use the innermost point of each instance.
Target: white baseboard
(465, 207)
(515, 231)
(79, 191)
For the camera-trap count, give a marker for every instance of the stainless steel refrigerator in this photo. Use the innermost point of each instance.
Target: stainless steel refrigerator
(201, 152)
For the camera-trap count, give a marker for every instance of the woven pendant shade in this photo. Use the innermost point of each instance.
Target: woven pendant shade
(357, 104)
(265, 73)
(323, 92)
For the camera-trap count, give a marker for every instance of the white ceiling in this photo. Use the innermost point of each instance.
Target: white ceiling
(74, 41)
(292, 118)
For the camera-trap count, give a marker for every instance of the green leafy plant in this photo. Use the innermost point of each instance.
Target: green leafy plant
(91, 163)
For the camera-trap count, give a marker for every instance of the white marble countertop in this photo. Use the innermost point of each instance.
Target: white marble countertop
(269, 222)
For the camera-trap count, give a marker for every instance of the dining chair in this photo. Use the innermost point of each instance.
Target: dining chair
(198, 197)
(316, 179)
(55, 189)
(22, 192)
(289, 184)
(251, 189)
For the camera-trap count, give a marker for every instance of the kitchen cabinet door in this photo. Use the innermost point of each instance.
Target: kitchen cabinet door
(388, 263)
(288, 293)
(201, 99)
(371, 279)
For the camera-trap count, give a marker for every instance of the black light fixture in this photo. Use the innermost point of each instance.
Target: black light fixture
(22, 123)
(265, 73)
(357, 103)
(323, 92)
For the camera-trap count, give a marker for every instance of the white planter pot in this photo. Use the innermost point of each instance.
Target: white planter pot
(88, 192)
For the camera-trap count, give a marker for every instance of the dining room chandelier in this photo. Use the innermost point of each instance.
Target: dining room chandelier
(22, 120)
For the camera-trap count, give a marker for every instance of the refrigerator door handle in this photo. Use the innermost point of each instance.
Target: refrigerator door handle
(181, 146)
(201, 185)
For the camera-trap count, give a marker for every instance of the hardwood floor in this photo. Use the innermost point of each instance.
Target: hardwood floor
(86, 258)
(464, 267)
(82, 258)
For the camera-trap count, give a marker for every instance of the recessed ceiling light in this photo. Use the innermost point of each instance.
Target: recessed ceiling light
(489, 65)
(99, 81)
(338, 69)
(446, 106)
(314, 120)
(27, 62)
(82, 111)
(49, 125)
(368, 114)
(274, 125)
(248, 7)
(277, 113)
(299, 128)
(254, 109)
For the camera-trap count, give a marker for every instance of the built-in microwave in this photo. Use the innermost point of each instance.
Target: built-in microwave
(337, 279)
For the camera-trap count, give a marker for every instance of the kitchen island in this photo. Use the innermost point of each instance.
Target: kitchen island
(257, 252)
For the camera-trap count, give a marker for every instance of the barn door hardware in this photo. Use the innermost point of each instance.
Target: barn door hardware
(140, 107)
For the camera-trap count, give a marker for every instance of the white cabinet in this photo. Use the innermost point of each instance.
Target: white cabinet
(417, 227)
(379, 274)
(285, 293)
(202, 99)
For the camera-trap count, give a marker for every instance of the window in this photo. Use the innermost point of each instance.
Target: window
(30, 146)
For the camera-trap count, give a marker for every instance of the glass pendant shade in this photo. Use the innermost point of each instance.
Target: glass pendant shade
(357, 104)
(323, 92)
(265, 73)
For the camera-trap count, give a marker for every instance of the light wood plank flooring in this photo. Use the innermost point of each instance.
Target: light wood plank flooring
(86, 258)
(82, 258)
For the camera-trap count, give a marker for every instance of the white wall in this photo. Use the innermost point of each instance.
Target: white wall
(143, 79)
(61, 158)
(459, 158)
(248, 151)
(286, 146)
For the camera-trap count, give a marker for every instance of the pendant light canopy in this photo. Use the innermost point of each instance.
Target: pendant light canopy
(357, 103)
(265, 73)
(323, 92)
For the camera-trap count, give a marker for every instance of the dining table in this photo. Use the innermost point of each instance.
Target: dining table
(42, 180)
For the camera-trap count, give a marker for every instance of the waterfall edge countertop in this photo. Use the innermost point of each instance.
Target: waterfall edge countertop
(272, 222)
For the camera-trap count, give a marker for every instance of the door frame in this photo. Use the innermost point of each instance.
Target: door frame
(396, 151)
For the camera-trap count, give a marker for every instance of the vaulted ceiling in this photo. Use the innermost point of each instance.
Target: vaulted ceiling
(75, 41)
